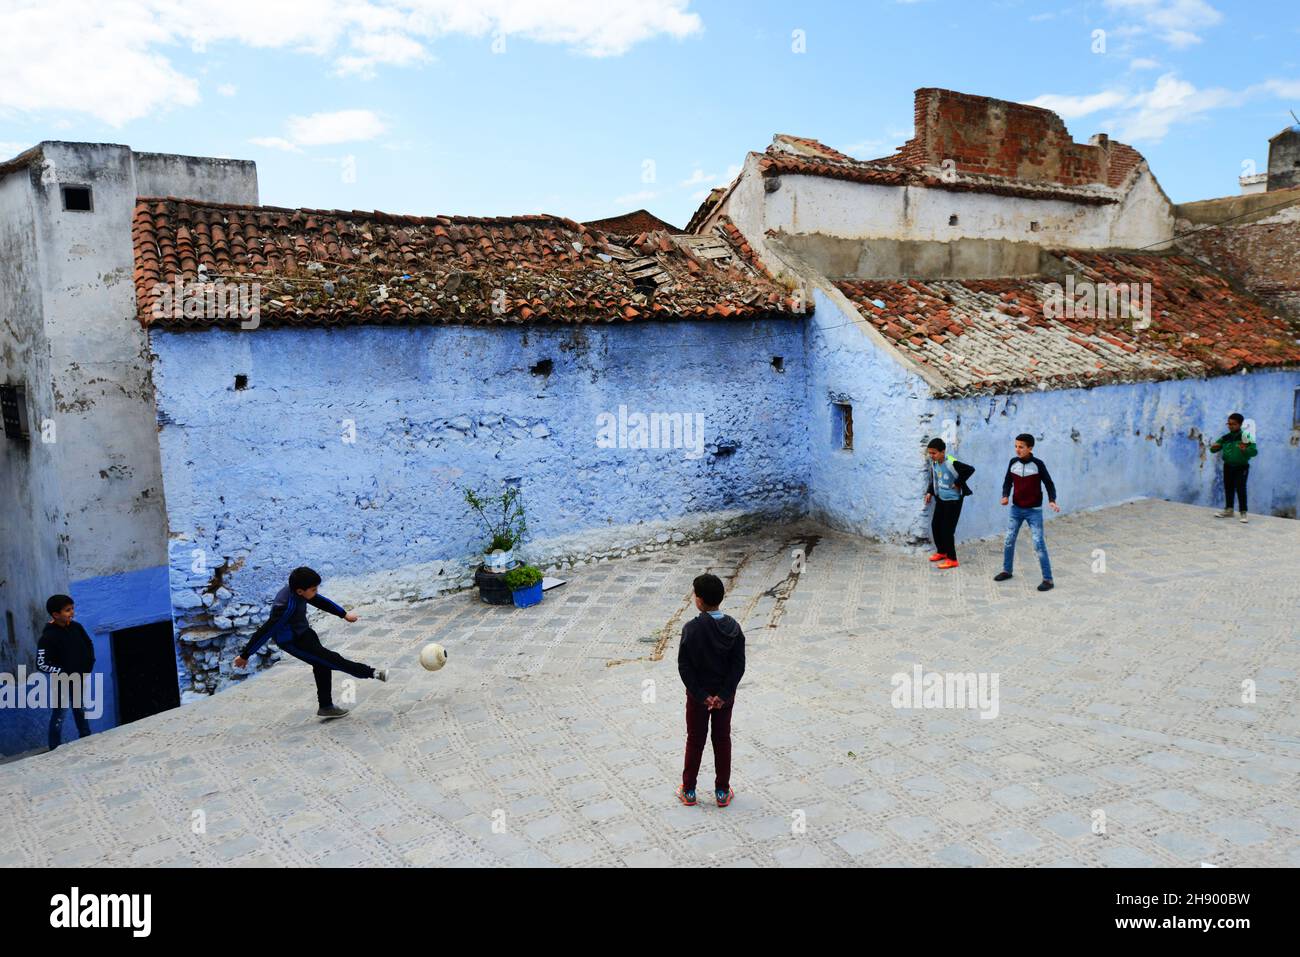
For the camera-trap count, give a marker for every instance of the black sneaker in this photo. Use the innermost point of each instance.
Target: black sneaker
(331, 712)
(1001, 576)
(1045, 586)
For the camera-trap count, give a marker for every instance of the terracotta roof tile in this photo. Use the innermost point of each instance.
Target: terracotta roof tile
(999, 335)
(336, 267)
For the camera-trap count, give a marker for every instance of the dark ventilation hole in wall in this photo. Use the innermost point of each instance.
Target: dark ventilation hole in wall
(241, 382)
(952, 220)
(545, 367)
(9, 628)
(778, 363)
(77, 199)
(1033, 227)
(842, 419)
(13, 404)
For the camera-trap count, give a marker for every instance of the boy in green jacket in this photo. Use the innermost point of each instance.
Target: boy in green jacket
(1238, 450)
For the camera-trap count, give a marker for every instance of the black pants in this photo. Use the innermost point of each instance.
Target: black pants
(1234, 482)
(943, 526)
(307, 647)
(56, 724)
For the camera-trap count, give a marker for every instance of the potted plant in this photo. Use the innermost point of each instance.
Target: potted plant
(525, 584)
(502, 515)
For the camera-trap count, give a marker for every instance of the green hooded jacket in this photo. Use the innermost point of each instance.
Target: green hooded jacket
(1233, 453)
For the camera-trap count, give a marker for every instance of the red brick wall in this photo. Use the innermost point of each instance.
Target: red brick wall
(1265, 257)
(998, 138)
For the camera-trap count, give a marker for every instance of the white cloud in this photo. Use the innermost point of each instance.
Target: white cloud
(635, 199)
(1070, 107)
(8, 150)
(326, 129)
(121, 60)
(227, 89)
(1177, 22)
(1147, 115)
(698, 177)
(1143, 63)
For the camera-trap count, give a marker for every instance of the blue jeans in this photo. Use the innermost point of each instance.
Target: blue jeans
(1034, 516)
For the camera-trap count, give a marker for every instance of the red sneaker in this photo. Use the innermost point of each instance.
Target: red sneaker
(724, 798)
(948, 563)
(685, 796)
(938, 557)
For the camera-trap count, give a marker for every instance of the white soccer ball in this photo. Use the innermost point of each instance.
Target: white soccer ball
(433, 656)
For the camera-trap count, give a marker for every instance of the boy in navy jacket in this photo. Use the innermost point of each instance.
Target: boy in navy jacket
(711, 661)
(1023, 486)
(65, 650)
(288, 626)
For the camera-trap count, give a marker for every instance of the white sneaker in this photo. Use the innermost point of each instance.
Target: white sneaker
(1243, 519)
(1226, 513)
(381, 674)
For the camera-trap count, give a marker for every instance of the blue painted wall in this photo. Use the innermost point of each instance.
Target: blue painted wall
(261, 479)
(1103, 446)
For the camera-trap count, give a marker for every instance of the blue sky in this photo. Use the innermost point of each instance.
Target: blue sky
(588, 108)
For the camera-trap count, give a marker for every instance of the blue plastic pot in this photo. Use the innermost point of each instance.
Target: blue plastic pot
(527, 597)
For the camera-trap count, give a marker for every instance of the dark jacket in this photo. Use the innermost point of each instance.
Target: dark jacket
(1028, 478)
(63, 650)
(711, 656)
(963, 471)
(288, 619)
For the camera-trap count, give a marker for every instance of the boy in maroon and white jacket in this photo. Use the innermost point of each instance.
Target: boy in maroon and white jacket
(1022, 487)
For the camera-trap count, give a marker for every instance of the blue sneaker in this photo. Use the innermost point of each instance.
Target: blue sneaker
(724, 797)
(685, 796)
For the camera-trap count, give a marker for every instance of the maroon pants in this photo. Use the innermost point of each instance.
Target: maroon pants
(698, 717)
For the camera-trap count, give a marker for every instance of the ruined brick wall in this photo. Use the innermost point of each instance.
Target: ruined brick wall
(1262, 253)
(995, 137)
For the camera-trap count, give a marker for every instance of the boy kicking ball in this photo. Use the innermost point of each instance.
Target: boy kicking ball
(288, 626)
(711, 661)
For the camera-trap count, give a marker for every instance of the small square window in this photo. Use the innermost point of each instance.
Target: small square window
(952, 220)
(241, 382)
(78, 199)
(1033, 227)
(1295, 411)
(842, 425)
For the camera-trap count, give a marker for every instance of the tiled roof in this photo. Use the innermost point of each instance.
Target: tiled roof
(705, 208)
(995, 335)
(641, 221)
(817, 159)
(336, 267)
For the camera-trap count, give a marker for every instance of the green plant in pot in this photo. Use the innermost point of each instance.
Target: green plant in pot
(503, 518)
(525, 584)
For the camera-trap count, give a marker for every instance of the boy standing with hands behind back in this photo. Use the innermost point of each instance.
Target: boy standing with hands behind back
(711, 661)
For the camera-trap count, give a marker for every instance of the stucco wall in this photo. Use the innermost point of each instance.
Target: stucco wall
(32, 564)
(1116, 443)
(259, 480)
(88, 517)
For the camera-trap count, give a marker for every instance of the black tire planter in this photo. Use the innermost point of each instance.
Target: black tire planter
(492, 587)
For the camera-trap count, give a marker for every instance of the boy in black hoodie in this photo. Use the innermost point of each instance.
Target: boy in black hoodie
(711, 661)
(65, 649)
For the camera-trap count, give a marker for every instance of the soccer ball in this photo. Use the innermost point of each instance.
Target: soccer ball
(433, 656)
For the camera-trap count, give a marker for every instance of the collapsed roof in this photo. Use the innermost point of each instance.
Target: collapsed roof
(335, 267)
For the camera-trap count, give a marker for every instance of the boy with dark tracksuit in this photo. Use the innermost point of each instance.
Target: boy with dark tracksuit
(288, 626)
(1238, 450)
(1023, 486)
(65, 650)
(711, 661)
(947, 487)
